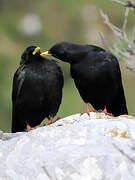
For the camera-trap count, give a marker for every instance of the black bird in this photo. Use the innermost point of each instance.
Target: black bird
(96, 74)
(37, 90)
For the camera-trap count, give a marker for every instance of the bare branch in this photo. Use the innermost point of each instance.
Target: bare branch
(115, 29)
(130, 3)
(119, 2)
(125, 20)
(126, 54)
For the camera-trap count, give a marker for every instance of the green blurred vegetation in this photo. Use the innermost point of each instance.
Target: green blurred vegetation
(61, 20)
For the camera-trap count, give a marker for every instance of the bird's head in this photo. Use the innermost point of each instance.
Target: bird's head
(30, 53)
(64, 51)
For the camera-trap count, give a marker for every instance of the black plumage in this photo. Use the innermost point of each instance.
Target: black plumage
(96, 74)
(37, 90)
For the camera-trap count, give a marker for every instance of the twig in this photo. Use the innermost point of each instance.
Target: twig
(125, 20)
(119, 2)
(130, 4)
(128, 55)
(117, 31)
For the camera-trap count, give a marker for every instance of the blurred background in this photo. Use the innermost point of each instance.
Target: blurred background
(43, 23)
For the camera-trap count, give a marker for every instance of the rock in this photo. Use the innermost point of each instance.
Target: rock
(94, 147)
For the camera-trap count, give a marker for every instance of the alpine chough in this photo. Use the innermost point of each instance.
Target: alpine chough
(96, 74)
(37, 90)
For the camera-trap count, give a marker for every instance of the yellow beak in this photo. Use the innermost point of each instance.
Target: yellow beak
(37, 49)
(45, 53)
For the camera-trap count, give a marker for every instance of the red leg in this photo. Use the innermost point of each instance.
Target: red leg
(50, 121)
(105, 111)
(87, 109)
(28, 127)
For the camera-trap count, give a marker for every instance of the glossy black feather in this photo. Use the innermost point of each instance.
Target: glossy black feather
(96, 74)
(37, 90)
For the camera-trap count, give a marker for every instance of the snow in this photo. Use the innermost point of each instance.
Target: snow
(94, 147)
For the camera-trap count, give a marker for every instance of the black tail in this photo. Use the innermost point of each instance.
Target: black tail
(118, 107)
(18, 124)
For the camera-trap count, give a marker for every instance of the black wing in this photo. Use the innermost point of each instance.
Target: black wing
(18, 80)
(60, 74)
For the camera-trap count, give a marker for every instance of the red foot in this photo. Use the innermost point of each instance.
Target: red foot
(50, 121)
(105, 111)
(88, 109)
(29, 128)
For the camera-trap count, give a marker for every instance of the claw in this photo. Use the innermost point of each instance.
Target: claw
(51, 121)
(105, 111)
(29, 128)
